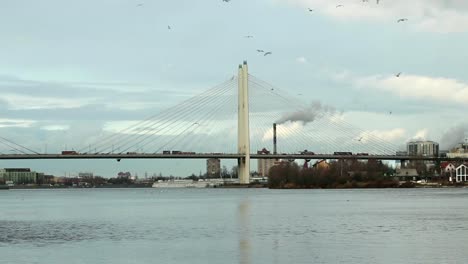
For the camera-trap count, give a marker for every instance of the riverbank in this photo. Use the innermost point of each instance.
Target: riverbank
(106, 186)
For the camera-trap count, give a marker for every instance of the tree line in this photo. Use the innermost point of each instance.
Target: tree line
(337, 174)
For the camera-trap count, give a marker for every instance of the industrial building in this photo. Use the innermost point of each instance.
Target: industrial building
(264, 165)
(213, 168)
(20, 175)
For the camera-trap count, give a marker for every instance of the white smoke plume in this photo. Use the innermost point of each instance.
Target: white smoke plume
(309, 114)
(453, 136)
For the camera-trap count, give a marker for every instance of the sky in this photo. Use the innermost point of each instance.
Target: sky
(71, 71)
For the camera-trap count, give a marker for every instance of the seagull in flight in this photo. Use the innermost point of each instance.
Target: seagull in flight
(169, 27)
(259, 50)
(268, 53)
(310, 9)
(402, 20)
(359, 139)
(339, 6)
(249, 36)
(398, 74)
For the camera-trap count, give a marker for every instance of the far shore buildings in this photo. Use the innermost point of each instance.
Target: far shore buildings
(423, 148)
(20, 176)
(461, 173)
(213, 168)
(459, 151)
(406, 174)
(264, 165)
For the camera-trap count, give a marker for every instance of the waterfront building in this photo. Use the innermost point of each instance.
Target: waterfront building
(264, 165)
(321, 164)
(461, 173)
(447, 169)
(423, 148)
(459, 151)
(20, 175)
(406, 174)
(85, 175)
(213, 168)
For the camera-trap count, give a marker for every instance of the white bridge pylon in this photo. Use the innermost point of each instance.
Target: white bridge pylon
(243, 135)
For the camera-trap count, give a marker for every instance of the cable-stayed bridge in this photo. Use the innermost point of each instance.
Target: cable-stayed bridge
(232, 120)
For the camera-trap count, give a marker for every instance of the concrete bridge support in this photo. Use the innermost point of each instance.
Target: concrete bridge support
(243, 135)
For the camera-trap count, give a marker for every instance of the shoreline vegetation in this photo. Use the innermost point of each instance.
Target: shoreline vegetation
(336, 175)
(342, 174)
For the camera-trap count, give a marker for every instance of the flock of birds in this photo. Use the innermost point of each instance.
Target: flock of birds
(266, 53)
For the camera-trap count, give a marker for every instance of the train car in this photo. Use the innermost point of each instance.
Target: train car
(306, 152)
(69, 152)
(176, 152)
(362, 154)
(166, 152)
(342, 153)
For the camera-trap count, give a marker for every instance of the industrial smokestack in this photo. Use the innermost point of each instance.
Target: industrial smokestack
(274, 138)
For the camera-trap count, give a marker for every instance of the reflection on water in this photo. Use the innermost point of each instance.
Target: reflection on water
(244, 231)
(202, 226)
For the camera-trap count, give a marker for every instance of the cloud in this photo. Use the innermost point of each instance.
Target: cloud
(301, 60)
(424, 15)
(283, 131)
(454, 135)
(437, 89)
(421, 134)
(387, 135)
(24, 94)
(17, 102)
(15, 123)
(55, 127)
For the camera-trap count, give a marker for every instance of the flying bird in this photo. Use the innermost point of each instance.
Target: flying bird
(402, 20)
(390, 112)
(359, 139)
(398, 74)
(310, 9)
(227, 1)
(268, 53)
(339, 6)
(140, 5)
(249, 36)
(259, 50)
(169, 27)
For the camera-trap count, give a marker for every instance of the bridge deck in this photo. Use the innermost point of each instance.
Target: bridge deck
(221, 156)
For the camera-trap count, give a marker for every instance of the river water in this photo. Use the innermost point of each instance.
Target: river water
(234, 226)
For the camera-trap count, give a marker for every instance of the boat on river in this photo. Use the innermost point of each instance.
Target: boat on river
(185, 184)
